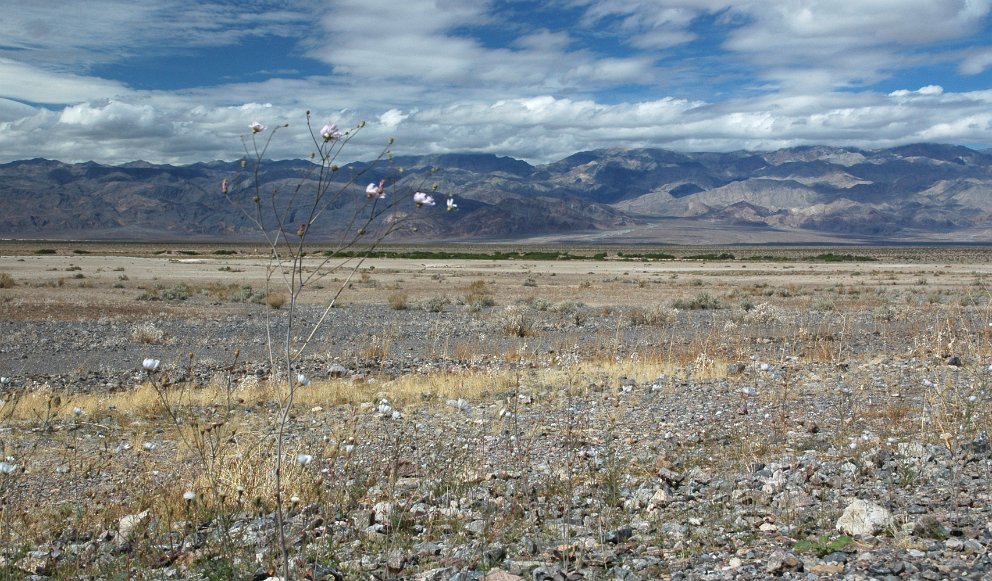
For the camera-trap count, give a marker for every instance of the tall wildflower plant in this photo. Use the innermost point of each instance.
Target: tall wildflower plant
(324, 198)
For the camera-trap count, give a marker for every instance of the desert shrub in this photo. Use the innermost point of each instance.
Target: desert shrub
(234, 293)
(45, 251)
(275, 300)
(516, 321)
(541, 304)
(573, 311)
(823, 304)
(398, 301)
(566, 307)
(635, 317)
(246, 294)
(6, 281)
(148, 334)
(434, 304)
(760, 313)
(661, 315)
(884, 313)
(702, 301)
(151, 294)
(180, 292)
(479, 295)
(653, 315)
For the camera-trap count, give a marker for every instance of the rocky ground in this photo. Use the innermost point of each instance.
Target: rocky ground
(779, 440)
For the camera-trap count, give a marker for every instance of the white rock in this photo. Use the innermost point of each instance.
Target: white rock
(459, 404)
(660, 499)
(127, 524)
(862, 517)
(383, 510)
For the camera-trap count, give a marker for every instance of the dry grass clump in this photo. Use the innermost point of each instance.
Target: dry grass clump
(434, 304)
(702, 301)
(653, 315)
(6, 280)
(398, 301)
(233, 292)
(276, 300)
(516, 321)
(761, 313)
(479, 294)
(148, 334)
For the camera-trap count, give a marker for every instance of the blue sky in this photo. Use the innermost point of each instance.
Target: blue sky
(177, 81)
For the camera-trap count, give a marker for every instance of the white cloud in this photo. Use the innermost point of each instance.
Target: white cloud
(977, 62)
(812, 45)
(22, 82)
(14, 110)
(392, 118)
(421, 43)
(929, 90)
(162, 128)
(785, 73)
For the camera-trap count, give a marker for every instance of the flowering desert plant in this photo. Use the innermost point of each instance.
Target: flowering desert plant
(289, 219)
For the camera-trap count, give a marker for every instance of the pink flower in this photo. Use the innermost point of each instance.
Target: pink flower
(376, 191)
(224, 186)
(330, 132)
(422, 199)
(256, 127)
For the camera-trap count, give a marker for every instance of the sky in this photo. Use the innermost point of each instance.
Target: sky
(179, 81)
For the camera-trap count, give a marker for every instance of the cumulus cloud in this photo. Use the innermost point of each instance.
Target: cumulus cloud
(461, 75)
(929, 90)
(812, 45)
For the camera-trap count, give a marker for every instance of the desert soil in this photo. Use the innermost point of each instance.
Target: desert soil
(590, 419)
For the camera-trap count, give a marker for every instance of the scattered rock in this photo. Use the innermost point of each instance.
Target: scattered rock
(928, 527)
(497, 574)
(862, 517)
(783, 562)
(337, 370)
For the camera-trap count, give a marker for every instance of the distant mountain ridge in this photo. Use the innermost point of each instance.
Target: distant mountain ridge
(913, 193)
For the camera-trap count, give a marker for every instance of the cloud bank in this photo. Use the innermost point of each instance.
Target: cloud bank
(533, 80)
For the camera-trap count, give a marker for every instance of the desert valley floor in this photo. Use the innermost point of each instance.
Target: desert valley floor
(672, 413)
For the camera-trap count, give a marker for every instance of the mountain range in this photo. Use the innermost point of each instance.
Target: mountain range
(920, 193)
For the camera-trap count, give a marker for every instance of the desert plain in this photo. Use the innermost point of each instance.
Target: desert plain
(738, 412)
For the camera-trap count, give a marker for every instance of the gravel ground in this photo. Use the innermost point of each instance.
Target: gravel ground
(782, 442)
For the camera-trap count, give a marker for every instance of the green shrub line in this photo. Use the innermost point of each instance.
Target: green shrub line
(445, 255)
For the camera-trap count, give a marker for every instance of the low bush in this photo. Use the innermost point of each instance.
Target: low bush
(702, 301)
(398, 301)
(276, 300)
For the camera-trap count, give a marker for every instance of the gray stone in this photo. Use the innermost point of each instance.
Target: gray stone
(928, 527)
(337, 370)
(781, 562)
(862, 517)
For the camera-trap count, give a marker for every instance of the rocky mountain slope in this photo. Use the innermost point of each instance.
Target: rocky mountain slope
(922, 192)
